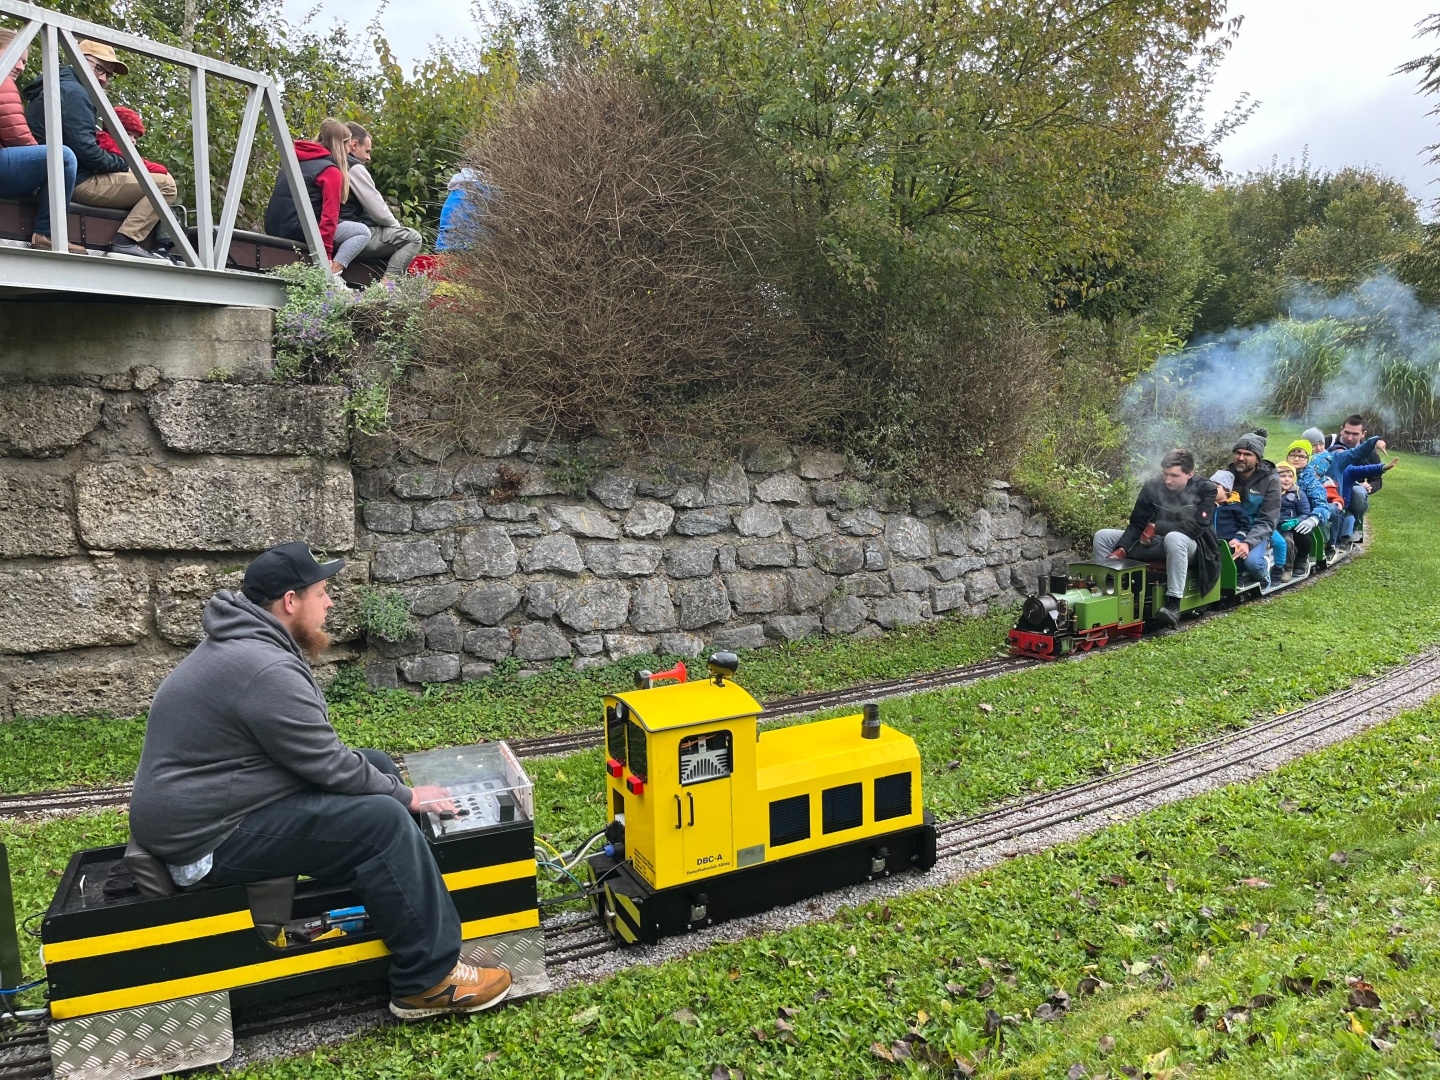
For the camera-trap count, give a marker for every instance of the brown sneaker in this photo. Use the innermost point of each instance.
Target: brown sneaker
(467, 989)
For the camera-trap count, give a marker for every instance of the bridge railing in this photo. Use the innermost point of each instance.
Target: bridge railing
(60, 34)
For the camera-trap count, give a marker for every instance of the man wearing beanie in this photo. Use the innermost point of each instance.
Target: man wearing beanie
(1258, 489)
(1172, 522)
(242, 778)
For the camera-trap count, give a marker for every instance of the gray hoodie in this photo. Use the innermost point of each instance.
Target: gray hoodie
(240, 723)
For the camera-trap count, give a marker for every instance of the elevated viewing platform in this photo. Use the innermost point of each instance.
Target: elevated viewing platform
(216, 263)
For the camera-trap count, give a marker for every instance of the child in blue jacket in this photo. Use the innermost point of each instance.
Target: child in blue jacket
(1294, 508)
(1352, 475)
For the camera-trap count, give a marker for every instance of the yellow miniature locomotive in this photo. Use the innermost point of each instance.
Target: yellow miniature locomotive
(712, 819)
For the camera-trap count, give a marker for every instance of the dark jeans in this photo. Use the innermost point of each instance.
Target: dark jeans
(23, 170)
(371, 845)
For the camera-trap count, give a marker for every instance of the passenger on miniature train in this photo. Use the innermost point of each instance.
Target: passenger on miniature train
(242, 778)
(1172, 514)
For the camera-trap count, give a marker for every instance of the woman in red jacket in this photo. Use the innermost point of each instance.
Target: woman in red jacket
(23, 169)
(326, 170)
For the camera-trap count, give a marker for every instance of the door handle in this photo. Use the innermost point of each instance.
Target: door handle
(679, 821)
(692, 806)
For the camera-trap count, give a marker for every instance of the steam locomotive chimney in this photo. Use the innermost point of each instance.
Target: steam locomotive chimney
(870, 723)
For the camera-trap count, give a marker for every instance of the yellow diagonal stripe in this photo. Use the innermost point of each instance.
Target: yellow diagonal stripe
(103, 944)
(488, 875)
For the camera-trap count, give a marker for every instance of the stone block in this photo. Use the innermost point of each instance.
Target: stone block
(391, 650)
(686, 497)
(424, 482)
(792, 627)
(950, 539)
(947, 597)
(950, 569)
(647, 520)
(181, 595)
(740, 637)
(758, 519)
(442, 634)
(877, 555)
(489, 604)
(821, 465)
(1033, 549)
(1007, 526)
(71, 606)
(702, 601)
(1035, 526)
(980, 585)
(866, 585)
(728, 486)
(690, 560)
(979, 531)
(900, 611)
(619, 646)
(908, 537)
(809, 588)
(489, 643)
(615, 488)
(373, 484)
(586, 663)
(478, 478)
(535, 482)
(863, 522)
(768, 457)
(45, 421)
(539, 641)
(594, 605)
(726, 560)
(447, 514)
(221, 505)
(373, 451)
(558, 553)
(225, 418)
(909, 578)
(756, 556)
(843, 495)
(1025, 576)
(382, 675)
(387, 517)
(589, 644)
(121, 685)
(402, 560)
(845, 614)
(652, 608)
(623, 559)
(681, 644)
(541, 599)
(869, 632)
(432, 599)
(807, 524)
(784, 488)
(513, 512)
(705, 522)
(473, 671)
(583, 521)
(443, 667)
(757, 591)
(839, 555)
(803, 558)
(35, 516)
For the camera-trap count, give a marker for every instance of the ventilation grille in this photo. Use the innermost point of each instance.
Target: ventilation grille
(892, 796)
(789, 820)
(841, 808)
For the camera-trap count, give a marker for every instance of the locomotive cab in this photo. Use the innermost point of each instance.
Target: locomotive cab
(711, 818)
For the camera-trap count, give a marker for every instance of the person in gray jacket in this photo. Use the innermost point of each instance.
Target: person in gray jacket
(242, 778)
(397, 244)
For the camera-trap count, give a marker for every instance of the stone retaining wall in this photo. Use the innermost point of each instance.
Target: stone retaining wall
(128, 497)
(495, 559)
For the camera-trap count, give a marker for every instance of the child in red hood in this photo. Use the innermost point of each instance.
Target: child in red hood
(131, 122)
(326, 170)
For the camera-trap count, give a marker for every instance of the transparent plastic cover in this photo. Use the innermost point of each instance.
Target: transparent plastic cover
(486, 783)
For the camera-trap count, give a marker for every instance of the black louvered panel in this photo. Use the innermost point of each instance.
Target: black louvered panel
(614, 735)
(840, 808)
(892, 796)
(789, 820)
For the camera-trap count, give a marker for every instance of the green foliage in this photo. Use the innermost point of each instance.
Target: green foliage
(385, 614)
(313, 331)
(1078, 499)
(1308, 355)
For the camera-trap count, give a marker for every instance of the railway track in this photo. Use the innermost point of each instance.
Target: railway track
(574, 938)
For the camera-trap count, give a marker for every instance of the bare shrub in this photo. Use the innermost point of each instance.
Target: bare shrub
(628, 279)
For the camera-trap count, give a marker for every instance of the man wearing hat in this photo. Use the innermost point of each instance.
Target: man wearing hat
(102, 178)
(1258, 489)
(242, 778)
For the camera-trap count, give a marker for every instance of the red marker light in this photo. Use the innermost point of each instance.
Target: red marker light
(634, 784)
(614, 768)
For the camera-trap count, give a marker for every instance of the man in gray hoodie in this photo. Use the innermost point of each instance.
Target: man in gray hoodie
(242, 778)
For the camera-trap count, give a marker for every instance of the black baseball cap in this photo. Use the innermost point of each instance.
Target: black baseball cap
(284, 567)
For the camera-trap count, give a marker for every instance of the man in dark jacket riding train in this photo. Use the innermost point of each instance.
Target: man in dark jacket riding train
(1171, 523)
(1258, 489)
(242, 778)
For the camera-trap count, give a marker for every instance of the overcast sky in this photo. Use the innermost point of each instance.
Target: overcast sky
(1321, 70)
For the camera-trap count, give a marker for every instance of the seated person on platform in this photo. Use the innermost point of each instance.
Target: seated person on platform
(1352, 478)
(1258, 491)
(103, 178)
(242, 778)
(1230, 520)
(1171, 513)
(24, 166)
(389, 240)
(326, 171)
(1294, 508)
